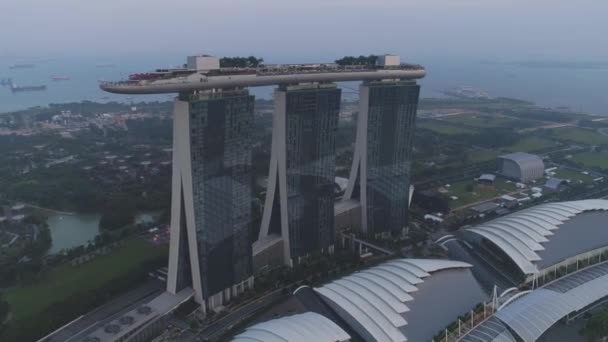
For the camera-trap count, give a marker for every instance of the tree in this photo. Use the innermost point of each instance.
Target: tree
(241, 62)
(597, 326)
(254, 62)
(118, 212)
(36, 249)
(361, 60)
(35, 218)
(4, 310)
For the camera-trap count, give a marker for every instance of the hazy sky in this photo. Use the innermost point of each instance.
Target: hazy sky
(277, 29)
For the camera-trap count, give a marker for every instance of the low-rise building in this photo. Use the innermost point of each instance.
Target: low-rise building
(555, 184)
(485, 208)
(486, 179)
(520, 166)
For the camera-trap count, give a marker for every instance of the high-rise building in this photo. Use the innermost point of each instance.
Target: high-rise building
(211, 206)
(211, 213)
(380, 175)
(300, 197)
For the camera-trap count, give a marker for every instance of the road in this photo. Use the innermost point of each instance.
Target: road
(77, 329)
(216, 329)
(366, 244)
(487, 200)
(552, 125)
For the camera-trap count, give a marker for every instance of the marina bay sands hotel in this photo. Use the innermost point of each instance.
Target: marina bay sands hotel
(212, 249)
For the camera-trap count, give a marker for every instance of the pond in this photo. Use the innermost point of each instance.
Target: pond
(68, 231)
(72, 230)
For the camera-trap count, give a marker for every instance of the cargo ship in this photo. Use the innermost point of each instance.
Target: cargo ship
(22, 66)
(60, 78)
(20, 89)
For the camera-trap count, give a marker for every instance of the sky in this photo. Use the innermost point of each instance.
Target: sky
(308, 29)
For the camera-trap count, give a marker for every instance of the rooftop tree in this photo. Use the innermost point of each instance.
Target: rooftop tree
(241, 62)
(361, 60)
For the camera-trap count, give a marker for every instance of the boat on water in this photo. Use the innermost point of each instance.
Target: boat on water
(22, 66)
(20, 89)
(60, 78)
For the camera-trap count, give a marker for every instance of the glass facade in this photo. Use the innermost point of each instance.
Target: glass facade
(390, 132)
(221, 132)
(311, 122)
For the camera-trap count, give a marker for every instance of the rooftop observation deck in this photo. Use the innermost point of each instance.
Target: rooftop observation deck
(187, 80)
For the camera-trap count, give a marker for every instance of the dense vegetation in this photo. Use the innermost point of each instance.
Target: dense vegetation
(487, 105)
(37, 249)
(24, 264)
(4, 310)
(441, 157)
(492, 137)
(61, 187)
(597, 326)
(24, 118)
(241, 62)
(67, 291)
(361, 60)
(118, 212)
(69, 188)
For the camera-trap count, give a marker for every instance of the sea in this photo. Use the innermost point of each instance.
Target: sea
(579, 89)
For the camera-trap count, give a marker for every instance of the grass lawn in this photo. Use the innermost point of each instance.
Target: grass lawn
(483, 155)
(530, 144)
(482, 120)
(65, 280)
(592, 159)
(479, 193)
(572, 175)
(579, 136)
(503, 187)
(443, 128)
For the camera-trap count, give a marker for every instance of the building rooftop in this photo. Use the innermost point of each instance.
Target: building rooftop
(542, 236)
(531, 315)
(304, 327)
(487, 177)
(485, 207)
(129, 323)
(188, 80)
(393, 301)
(555, 183)
(520, 156)
(341, 182)
(345, 205)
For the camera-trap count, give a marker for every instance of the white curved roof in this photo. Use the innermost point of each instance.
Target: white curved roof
(492, 330)
(377, 298)
(304, 327)
(521, 235)
(529, 166)
(532, 314)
